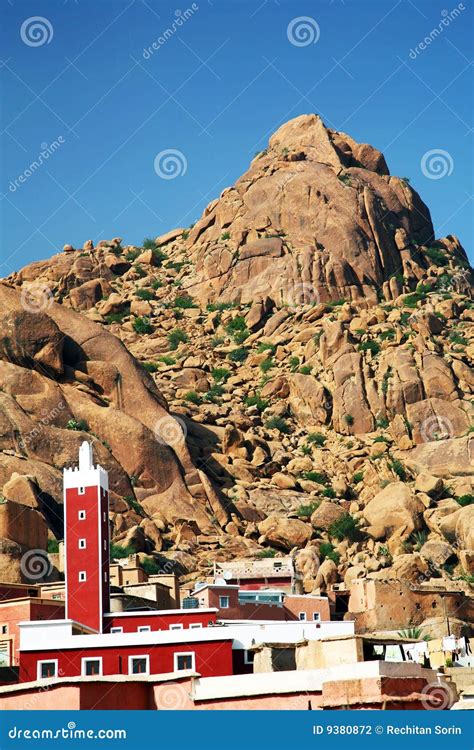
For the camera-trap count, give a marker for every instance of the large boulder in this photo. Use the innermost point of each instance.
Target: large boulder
(325, 515)
(284, 533)
(394, 510)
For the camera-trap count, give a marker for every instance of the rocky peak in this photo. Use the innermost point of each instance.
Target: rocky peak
(316, 217)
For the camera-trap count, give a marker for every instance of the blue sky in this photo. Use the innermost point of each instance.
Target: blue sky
(79, 84)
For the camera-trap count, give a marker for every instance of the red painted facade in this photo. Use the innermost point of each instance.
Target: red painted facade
(212, 659)
(27, 609)
(87, 555)
(157, 620)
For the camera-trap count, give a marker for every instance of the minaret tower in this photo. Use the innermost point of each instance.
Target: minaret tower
(86, 541)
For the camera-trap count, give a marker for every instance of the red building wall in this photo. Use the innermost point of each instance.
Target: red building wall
(87, 600)
(213, 659)
(18, 610)
(158, 621)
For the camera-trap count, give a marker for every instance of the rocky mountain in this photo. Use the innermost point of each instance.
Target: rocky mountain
(291, 373)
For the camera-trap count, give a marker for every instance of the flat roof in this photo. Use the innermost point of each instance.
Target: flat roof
(148, 612)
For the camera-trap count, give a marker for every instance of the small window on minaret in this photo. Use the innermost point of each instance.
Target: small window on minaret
(82, 576)
(81, 515)
(81, 490)
(82, 544)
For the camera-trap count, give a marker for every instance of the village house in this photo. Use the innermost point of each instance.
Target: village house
(235, 643)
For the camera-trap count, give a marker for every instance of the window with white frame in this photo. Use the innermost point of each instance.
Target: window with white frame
(47, 669)
(224, 602)
(144, 629)
(139, 664)
(316, 616)
(91, 667)
(82, 576)
(185, 660)
(81, 515)
(302, 616)
(176, 626)
(82, 544)
(195, 625)
(81, 490)
(116, 630)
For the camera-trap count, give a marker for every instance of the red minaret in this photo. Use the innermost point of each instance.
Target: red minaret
(86, 541)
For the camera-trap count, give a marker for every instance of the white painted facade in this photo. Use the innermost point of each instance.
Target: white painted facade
(42, 635)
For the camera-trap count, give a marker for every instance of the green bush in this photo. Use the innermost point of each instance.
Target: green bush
(177, 337)
(465, 500)
(327, 551)
(238, 355)
(133, 503)
(144, 294)
(294, 363)
(265, 346)
(358, 477)
(307, 510)
(317, 438)
(267, 364)
(80, 425)
(269, 552)
(149, 244)
(436, 256)
(369, 346)
(118, 553)
(398, 468)
(257, 401)
(159, 256)
(236, 324)
(278, 423)
(220, 374)
(219, 306)
(117, 317)
(167, 360)
(150, 366)
(225, 236)
(349, 419)
(387, 335)
(184, 302)
(132, 255)
(305, 370)
(329, 492)
(142, 325)
(156, 284)
(193, 397)
(150, 567)
(320, 477)
(345, 527)
(53, 546)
